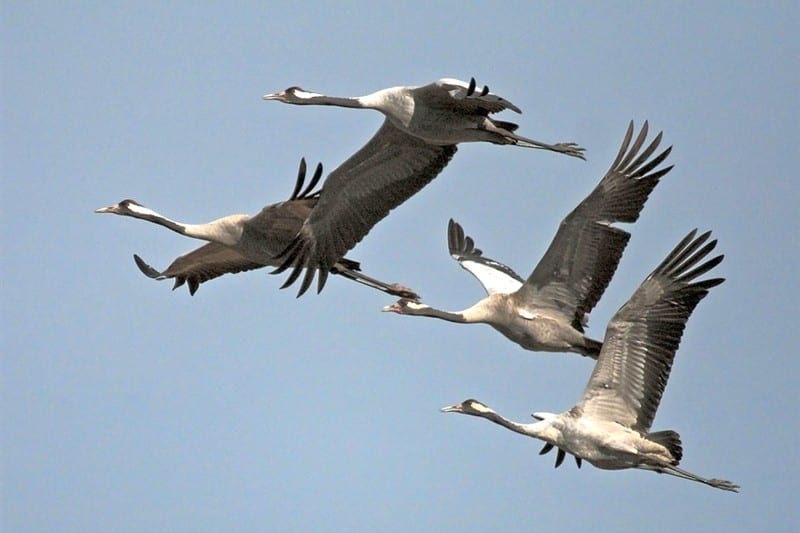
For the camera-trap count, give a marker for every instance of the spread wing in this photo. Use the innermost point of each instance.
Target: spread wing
(494, 276)
(210, 261)
(276, 224)
(585, 252)
(383, 174)
(641, 339)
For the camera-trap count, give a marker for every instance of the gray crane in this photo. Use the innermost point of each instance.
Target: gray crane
(548, 311)
(610, 425)
(242, 242)
(418, 138)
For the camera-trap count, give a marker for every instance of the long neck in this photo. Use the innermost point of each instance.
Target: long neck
(536, 429)
(151, 216)
(426, 310)
(337, 101)
(482, 312)
(225, 230)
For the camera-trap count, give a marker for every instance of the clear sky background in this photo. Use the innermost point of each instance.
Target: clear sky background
(128, 407)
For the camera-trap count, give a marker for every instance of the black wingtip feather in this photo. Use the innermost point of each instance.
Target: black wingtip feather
(637, 145)
(646, 154)
(301, 176)
(321, 279)
(146, 269)
(624, 146)
(308, 191)
(292, 277)
(307, 280)
(288, 254)
(560, 457)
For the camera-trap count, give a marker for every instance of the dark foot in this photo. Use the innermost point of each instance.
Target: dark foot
(570, 149)
(402, 291)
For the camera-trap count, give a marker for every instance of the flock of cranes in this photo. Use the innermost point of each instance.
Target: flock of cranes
(310, 233)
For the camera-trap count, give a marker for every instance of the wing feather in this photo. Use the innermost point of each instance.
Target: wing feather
(641, 339)
(210, 261)
(583, 256)
(495, 277)
(273, 227)
(388, 170)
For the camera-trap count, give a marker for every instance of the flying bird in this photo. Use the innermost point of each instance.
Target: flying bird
(548, 311)
(418, 138)
(238, 243)
(610, 425)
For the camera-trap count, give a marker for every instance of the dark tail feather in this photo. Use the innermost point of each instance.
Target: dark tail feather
(671, 441)
(349, 263)
(591, 348)
(508, 126)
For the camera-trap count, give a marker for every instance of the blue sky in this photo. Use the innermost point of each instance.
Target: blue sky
(129, 407)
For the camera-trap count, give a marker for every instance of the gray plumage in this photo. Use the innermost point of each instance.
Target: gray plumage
(416, 141)
(241, 242)
(610, 425)
(548, 310)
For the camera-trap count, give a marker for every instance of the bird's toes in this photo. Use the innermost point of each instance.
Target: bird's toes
(571, 149)
(403, 292)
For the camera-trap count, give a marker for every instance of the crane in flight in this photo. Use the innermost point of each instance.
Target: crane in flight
(237, 243)
(548, 310)
(418, 138)
(610, 425)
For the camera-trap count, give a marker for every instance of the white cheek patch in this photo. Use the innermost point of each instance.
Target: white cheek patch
(142, 210)
(481, 408)
(306, 94)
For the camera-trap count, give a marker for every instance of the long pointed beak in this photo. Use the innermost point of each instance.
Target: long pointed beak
(451, 409)
(389, 308)
(109, 209)
(273, 96)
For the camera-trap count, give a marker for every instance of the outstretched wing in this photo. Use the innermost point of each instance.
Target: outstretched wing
(210, 261)
(383, 174)
(494, 276)
(641, 339)
(276, 224)
(585, 252)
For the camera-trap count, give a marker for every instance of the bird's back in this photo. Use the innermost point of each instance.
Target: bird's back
(270, 231)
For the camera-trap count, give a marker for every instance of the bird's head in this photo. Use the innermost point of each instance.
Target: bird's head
(292, 95)
(125, 207)
(404, 306)
(468, 407)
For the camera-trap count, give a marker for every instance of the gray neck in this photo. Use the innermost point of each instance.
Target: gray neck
(226, 230)
(160, 220)
(337, 101)
(437, 313)
(530, 430)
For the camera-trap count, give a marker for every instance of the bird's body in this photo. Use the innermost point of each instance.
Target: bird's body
(610, 425)
(548, 310)
(445, 112)
(539, 330)
(419, 136)
(240, 242)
